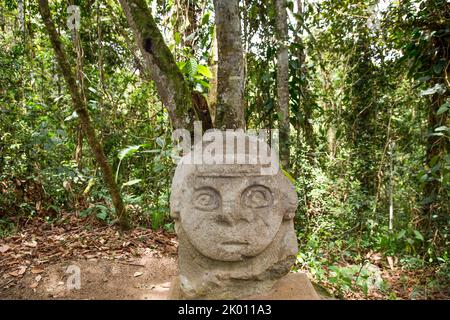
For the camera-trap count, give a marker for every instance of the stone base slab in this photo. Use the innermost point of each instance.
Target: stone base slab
(293, 286)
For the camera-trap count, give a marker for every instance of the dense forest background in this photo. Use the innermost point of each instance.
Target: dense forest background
(365, 123)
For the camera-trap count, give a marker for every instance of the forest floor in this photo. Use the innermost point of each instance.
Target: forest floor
(38, 262)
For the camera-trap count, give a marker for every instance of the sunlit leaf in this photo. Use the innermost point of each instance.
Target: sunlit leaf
(437, 88)
(203, 70)
(131, 182)
(74, 115)
(128, 151)
(191, 67)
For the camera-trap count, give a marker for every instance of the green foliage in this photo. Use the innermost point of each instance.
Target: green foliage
(196, 74)
(100, 211)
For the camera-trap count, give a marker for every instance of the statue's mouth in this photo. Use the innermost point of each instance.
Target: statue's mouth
(235, 243)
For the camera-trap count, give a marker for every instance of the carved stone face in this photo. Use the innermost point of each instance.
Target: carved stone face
(231, 217)
(229, 212)
(235, 214)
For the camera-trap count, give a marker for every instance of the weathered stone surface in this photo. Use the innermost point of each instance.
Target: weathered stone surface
(235, 228)
(293, 286)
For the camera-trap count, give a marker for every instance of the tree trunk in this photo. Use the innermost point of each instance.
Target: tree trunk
(160, 64)
(304, 100)
(283, 81)
(76, 42)
(230, 73)
(82, 111)
(21, 14)
(213, 65)
(331, 141)
(391, 186)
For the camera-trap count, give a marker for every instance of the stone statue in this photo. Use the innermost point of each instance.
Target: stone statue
(234, 223)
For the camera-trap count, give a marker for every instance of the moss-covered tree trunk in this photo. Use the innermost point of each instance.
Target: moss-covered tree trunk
(82, 111)
(230, 74)
(213, 65)
(183, 105)
(283, 80)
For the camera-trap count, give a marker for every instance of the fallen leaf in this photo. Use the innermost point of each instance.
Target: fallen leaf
(22, 270)
(4, 248)
(126, 244)
(390, 262)
(34, 284)
(38, 278)
(137, 274)
(32, 244)
(37, 270)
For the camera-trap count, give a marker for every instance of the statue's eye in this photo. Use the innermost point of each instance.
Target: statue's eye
(257, 196)
(206, 199)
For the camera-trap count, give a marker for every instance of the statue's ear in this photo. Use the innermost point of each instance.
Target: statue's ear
(175, 214)
(175, 205)
(289, 214)
(291, 203)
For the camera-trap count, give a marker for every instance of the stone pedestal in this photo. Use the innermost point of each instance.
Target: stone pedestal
(293, 286)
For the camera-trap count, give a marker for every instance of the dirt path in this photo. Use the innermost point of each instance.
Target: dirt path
(45, 261)
(146, 278)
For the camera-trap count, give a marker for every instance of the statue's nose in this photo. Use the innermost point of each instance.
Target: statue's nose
(228, 208)
(232, 213)
(226, 215)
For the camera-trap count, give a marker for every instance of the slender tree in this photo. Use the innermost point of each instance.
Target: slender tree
(304, 96)
(283, 80)
(81, 109)
(213, 66)
(230, 73)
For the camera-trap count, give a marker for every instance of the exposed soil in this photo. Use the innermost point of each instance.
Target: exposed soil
(40, 262)
(148, 278)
